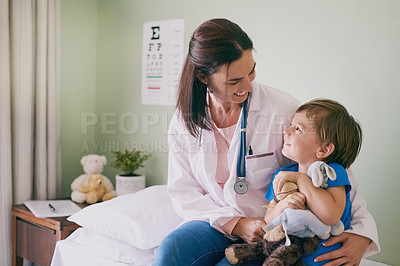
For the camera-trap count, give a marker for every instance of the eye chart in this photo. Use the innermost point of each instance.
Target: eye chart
(162, 61)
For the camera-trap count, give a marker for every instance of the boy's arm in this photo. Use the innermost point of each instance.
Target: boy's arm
(295, 200)
(326, 204)
(269, 215)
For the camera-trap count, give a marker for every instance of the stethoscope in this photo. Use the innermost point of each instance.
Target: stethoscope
(240, 185)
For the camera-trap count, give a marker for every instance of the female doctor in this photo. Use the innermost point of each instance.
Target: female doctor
(225, 142)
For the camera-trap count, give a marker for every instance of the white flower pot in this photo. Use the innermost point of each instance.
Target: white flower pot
(129, 184)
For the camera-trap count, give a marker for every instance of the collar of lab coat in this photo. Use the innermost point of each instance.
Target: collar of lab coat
(255, 99)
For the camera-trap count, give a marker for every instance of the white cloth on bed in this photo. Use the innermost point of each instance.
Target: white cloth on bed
(123, 231)
(68, 253)
(142, 219)
(110, 248)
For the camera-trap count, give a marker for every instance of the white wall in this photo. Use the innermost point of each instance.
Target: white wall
(344, 50)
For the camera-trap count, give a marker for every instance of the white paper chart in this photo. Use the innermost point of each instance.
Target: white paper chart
(162, 61)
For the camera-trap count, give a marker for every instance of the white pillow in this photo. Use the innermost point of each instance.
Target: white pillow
(110, 248)
(142, 219)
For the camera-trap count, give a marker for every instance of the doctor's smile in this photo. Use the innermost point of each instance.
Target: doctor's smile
(241, 93)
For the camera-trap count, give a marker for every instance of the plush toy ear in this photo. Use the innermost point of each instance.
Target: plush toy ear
(83, 160)
(103, 159)
(330, 172)
(319, 172)
(314, 172)
(337, 228)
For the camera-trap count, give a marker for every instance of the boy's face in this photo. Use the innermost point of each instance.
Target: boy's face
(301, 142)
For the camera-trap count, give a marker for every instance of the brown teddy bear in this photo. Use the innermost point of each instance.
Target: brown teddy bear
(95, 190)
(273, 247)
(273, 252)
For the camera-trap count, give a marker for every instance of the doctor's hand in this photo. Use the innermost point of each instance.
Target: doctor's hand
(249, 229)
(350, 253)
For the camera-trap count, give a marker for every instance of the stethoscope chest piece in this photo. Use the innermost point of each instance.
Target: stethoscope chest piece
(241, 186)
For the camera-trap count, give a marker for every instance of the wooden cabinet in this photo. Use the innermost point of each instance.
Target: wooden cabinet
(35, 238)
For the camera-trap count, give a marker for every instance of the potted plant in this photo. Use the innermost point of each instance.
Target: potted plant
(129, 161)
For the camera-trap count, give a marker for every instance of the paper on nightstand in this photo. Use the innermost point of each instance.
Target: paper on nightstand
(44, 208)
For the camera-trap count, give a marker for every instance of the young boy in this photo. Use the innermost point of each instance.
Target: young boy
(321, 130)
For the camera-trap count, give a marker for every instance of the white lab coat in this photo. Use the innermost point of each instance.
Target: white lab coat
(192, 167)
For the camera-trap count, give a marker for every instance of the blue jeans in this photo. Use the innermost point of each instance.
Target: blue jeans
(194, 243)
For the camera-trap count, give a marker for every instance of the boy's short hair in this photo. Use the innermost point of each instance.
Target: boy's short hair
(333, 124)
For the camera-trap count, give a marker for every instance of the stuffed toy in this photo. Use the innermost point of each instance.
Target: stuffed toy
(95, 190)
(276, 248)
(272, 252)
(92, 164)
(301, 225)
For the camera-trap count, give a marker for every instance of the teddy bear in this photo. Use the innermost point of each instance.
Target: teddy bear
(95, 190)
(301, 225)
(272, 252)
(276, 248)
(92, 164)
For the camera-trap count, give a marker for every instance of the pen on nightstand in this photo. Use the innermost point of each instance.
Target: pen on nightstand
(52, 208)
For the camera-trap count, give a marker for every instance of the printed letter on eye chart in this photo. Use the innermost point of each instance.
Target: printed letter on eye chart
(161, 61)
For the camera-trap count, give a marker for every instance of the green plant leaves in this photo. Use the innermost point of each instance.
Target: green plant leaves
(129, 161)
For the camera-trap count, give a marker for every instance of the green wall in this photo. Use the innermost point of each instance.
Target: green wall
(345, 50)
(78, 82)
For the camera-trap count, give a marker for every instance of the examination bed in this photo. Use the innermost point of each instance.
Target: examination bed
(123, 231)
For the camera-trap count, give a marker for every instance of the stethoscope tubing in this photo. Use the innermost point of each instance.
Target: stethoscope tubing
(241, 164)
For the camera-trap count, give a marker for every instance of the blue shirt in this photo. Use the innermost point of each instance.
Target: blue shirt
(341, 180)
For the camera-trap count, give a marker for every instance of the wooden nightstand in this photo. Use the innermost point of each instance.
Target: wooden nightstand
(35, 238)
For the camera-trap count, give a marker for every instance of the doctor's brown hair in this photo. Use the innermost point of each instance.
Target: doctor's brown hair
(333, 124)
(214, 43)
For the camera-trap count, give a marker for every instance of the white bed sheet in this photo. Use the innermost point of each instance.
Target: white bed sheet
(70, 253)
(85, 247)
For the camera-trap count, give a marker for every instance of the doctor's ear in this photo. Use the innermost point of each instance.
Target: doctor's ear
(201, 77)
(325, 150)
